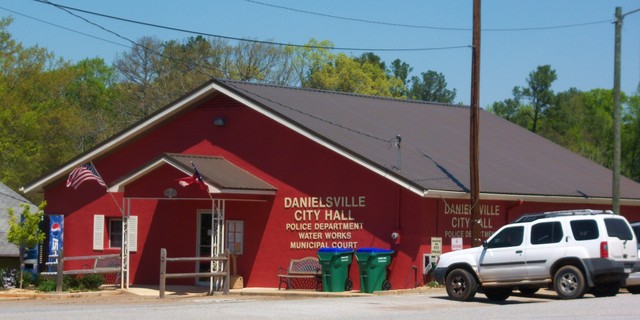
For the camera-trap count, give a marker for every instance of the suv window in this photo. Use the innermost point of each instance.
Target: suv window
(584, 229)
(618, 228)
(509, 237)
(546, 232)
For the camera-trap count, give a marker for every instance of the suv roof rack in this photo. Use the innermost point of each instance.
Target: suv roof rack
(550, 214)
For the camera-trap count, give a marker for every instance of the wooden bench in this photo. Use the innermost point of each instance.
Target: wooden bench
(305, 268)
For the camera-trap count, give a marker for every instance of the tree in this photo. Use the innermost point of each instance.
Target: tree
(597, 126)
(26, 232)
(538, 92)
(346, 74)
(432, 86)
(372, 58)
(512, 110)
(138, 70)
(155, 73)
(631, 138)
(565, 119)
(311, 58)
(36, 117)
(400, 70)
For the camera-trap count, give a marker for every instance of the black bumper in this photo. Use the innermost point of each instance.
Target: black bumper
(439, 275)
(605, 270)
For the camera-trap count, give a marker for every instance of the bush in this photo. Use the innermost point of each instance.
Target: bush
(28, 279)
(91, 281)
(70, 282)
(46, 285)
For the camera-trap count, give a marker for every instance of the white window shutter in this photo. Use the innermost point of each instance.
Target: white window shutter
(98, 232)
(133, 233)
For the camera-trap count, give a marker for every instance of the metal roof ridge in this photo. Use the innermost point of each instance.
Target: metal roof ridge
(349, 94)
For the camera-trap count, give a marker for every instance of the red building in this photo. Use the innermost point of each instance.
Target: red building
(288, 171)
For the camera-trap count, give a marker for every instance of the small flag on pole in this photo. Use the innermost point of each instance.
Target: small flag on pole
(196, 178)
(84, 173)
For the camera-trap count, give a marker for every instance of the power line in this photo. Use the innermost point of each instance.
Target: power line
(65, 28)
(63, 8)
(67, 8)
(425, 26)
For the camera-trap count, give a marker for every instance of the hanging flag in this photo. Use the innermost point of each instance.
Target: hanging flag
(196, 178)
(84, 173)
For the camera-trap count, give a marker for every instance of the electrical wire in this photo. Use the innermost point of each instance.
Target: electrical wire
(129, 40)
(68, 9)
(65, 28)
(424, 26)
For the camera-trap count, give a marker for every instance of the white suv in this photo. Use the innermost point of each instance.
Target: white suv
(572, 251)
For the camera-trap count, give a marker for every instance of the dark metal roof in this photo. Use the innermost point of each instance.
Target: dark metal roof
(219, 172)
(435, 143)
(434, 157)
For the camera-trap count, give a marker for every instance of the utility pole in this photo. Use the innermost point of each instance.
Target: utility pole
(615, 194)
(474, 127)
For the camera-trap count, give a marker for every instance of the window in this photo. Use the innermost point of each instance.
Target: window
(618, 228)
(509, 237)
(584, 229)
(235, 235)
(546, 232)
(115, 233)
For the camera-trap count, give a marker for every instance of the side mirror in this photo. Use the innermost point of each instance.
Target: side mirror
(485, 244)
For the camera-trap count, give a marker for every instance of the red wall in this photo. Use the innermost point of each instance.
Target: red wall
(372, 206)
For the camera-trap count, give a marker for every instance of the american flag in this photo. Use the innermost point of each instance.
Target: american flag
(84, 173)
(196, 178)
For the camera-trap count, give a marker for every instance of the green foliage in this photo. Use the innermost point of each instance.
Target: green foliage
(579, 121)
(347, 74)
(46, 285)
(87, 282)
(26, 232)
(91, 281)
(70, 282)
(538, 92)
(432, 86)
(630, 139)
(28, 279)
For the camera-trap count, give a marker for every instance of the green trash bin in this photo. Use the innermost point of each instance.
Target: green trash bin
(373, 264)
(335, 264)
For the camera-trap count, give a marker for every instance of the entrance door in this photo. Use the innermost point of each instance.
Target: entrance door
(208, 236)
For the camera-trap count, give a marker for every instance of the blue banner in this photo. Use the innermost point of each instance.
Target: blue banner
(56, 236)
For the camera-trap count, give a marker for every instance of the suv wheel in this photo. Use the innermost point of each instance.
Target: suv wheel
(606, 289)
(461, 285)
(497, 294)
(569, 283)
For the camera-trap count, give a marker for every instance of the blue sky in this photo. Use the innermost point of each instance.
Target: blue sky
(581, 55)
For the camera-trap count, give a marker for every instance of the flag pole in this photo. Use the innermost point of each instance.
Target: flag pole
(124, 249)
(109, 192)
